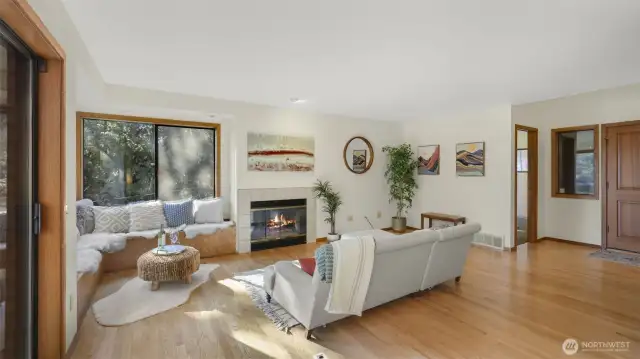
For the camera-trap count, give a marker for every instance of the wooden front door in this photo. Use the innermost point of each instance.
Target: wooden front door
(623, 187)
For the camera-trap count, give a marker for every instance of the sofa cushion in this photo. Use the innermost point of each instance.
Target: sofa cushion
(208, 210)
(308, 265)
(146, 215)
(111, 219)
(179, 212)
(85, 219)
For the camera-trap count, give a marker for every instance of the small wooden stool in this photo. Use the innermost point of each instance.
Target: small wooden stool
(155, 269)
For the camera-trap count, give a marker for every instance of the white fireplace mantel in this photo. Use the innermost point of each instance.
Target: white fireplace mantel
(246, 196)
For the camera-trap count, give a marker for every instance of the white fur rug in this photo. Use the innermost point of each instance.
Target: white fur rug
(135, 300)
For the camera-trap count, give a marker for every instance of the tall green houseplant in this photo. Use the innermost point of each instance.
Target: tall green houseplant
(401, 177)
(332, 202)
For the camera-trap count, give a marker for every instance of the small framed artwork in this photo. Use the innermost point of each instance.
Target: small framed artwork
(359, 160)
(429, 160)
(470, 159)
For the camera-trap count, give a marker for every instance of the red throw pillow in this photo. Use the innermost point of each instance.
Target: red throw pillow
(308, 265)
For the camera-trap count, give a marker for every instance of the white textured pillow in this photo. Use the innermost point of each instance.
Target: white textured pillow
(208, 210)
(111, 219)
(146, 215)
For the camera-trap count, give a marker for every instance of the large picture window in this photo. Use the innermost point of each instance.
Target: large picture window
(129, 160)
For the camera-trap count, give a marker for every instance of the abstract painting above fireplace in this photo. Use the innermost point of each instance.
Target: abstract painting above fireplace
(278, 223)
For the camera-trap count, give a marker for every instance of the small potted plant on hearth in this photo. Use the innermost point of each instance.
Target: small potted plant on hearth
(332, 202)
(401, 177)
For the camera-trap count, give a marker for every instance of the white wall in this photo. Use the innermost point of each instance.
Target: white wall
(573, 219)
(486, 200)
(364, 195)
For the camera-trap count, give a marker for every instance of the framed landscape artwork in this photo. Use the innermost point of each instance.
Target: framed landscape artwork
(280, 153)
(470, 159)
(359, 160)
(429, 160)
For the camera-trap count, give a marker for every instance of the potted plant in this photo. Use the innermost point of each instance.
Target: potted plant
(332, 202)
(400, 174)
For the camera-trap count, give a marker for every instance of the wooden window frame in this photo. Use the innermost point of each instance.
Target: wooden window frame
(80, 116)
(555, 186)
(24, 21)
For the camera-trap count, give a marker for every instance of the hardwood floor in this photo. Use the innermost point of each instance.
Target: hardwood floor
(509, 305)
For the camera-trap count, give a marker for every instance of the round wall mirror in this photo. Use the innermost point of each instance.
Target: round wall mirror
(358, 155)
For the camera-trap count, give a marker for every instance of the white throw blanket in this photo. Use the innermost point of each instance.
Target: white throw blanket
(352, 266)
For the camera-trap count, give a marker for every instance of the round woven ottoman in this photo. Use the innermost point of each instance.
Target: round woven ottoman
(155, 269)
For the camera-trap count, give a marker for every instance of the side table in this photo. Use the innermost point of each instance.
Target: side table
(441, 217)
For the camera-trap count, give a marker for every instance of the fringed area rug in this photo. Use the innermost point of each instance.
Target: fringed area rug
(135, 300)
(624, 258)
(252, 281)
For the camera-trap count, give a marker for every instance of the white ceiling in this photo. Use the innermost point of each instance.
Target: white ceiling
(382, 59)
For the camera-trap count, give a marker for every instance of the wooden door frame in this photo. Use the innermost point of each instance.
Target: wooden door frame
(603, 184)
(532, 207)
(24, 21)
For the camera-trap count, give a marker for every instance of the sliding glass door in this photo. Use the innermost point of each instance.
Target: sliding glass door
(17, 196)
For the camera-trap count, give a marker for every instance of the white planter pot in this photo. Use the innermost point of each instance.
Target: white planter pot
(333, 237)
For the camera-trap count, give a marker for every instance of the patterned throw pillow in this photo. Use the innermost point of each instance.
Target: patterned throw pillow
(85, 219)
(111, 219)
(179, 213)
(146, 215)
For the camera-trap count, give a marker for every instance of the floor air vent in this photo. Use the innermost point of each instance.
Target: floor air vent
(488, 240)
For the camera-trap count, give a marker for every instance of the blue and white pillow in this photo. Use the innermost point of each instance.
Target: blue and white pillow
(179, 213)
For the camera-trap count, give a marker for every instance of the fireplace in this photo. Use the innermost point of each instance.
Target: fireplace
(278, 223)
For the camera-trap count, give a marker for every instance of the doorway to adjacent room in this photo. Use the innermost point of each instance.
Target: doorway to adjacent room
(526, 185)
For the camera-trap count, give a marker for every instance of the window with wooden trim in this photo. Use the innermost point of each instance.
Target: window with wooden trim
(574, 156)
(128, 159)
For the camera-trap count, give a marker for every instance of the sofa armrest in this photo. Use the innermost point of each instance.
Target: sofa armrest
(294, 275)
(294, 291)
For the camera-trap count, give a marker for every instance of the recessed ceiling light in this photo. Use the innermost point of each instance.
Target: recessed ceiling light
(297, 100)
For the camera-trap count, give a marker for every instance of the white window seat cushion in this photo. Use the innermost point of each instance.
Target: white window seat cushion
(88, 260)
(151, 233)
(103, 242)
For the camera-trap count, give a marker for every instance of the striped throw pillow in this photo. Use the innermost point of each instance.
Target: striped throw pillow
(111, 219)
(146, 215)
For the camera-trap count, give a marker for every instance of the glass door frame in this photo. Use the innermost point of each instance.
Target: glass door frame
(56, 315)
(23, 281)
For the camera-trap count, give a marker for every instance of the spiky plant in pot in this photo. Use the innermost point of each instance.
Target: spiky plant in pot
(324, 191)
(400, 173)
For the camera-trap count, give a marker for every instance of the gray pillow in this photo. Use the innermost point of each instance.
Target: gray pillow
(111, 219)
(85, 219)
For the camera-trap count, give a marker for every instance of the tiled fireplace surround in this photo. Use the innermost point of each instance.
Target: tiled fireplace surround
(246, 196)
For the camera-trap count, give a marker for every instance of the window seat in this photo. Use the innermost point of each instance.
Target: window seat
(121, 250)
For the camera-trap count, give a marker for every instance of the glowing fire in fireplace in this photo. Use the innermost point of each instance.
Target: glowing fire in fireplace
(280, 221)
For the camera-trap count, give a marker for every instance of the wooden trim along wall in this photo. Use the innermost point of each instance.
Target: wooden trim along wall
(555, 191)
(569, 242)
(23, 20)
(151, 120)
